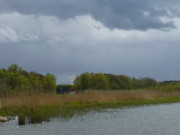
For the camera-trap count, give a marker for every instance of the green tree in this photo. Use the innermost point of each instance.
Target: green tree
(84, 81)
(49, 83)
(118, 82)
(14, 68)
(15, 79)
(99, 82)
(114, 86)
(36, 84)
(76, 82)
(124, 82)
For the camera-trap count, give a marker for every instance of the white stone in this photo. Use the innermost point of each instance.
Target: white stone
(3, 119)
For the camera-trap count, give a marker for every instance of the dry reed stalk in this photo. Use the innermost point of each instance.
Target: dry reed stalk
(45, 99)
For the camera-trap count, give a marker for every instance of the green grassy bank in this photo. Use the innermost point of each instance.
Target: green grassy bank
(38, 114)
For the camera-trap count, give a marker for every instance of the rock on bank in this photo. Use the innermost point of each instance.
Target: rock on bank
(3, 119)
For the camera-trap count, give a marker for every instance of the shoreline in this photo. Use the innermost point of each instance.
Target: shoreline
(38, 114)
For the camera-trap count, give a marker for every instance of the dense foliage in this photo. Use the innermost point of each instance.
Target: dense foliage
(91, 81)
(63, 88)
(168, 86)
(15, 79)
(100, 81)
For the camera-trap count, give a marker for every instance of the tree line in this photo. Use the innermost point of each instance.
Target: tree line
(15, 79)
(101, 81)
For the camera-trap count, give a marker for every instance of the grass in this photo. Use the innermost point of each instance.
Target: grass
(35, 108)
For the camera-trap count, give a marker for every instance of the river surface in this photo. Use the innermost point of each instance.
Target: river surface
(144, 120)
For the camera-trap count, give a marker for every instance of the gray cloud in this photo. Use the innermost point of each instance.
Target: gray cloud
(66, 38)
(7, 34)
(122, 14)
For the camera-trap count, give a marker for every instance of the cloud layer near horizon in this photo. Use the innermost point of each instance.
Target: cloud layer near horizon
(135, 38)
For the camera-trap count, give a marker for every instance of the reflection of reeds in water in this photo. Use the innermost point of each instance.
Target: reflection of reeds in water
(45, 99)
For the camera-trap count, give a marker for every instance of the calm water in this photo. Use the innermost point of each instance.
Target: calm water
(147, 120)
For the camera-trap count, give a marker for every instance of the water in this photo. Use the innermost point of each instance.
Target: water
(146, 120)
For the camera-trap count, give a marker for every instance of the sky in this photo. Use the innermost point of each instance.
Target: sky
(137, 38)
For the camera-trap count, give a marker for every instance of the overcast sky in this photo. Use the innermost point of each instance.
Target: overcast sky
(138, 38)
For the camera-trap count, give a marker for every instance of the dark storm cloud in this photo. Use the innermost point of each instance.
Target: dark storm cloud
(122, 14)
(68, 37)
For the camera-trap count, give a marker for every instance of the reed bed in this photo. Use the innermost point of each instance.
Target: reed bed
(39, 107)
(47, 99)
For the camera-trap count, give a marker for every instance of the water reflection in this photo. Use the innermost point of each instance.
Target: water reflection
(147, 120)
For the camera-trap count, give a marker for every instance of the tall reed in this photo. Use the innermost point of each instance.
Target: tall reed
(47, 99)
(38, 107)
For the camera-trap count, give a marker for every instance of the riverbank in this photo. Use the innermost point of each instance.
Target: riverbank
(35, 108)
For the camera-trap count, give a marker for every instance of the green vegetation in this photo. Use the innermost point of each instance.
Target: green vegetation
(63, 88)
(100, 81)
(66, 111)
(15, 79)
(91, 81)
(38, 107)
(168, 86)
(31, 96)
